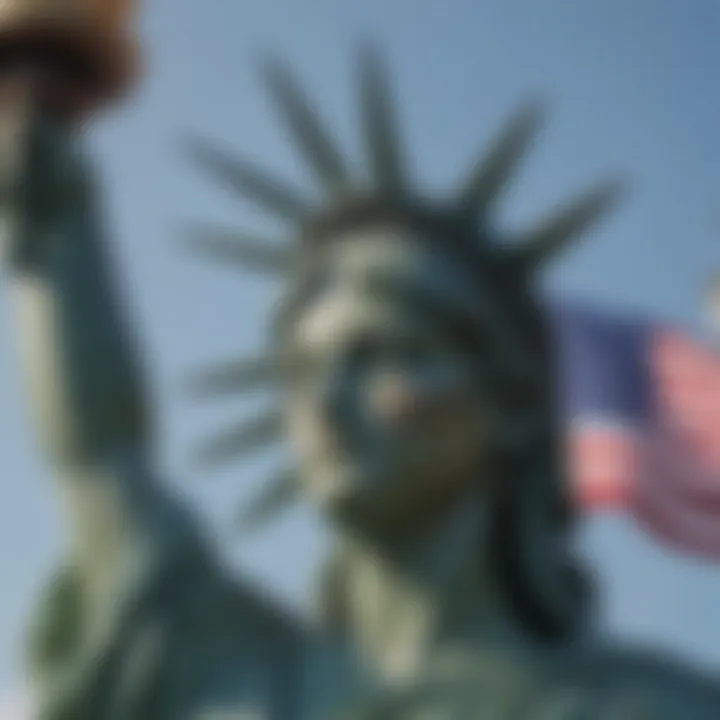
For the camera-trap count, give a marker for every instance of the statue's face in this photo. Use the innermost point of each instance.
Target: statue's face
(385, 412)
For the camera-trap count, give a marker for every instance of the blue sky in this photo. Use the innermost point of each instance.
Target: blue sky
(633, 88)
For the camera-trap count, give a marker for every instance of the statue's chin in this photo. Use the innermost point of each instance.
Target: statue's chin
(343, 486)
(357, 494)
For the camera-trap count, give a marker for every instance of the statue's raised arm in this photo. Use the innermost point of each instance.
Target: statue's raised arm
(77, 355)
(80, 366)
(141, 601)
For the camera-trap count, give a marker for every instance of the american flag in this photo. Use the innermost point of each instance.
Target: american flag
(643, 408)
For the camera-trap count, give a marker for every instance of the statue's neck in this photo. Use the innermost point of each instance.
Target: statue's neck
(408, 596)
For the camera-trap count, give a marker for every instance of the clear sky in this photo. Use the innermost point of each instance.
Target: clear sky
(634, 87)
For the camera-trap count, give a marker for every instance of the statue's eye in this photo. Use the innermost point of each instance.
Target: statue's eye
(389, 352)
(364, 351)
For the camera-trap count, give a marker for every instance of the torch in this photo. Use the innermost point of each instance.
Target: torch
(81, 54)
(60, 61)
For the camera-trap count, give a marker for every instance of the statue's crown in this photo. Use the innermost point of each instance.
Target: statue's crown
(465, 217)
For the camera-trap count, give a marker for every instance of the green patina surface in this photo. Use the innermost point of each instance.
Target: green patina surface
(414, 378)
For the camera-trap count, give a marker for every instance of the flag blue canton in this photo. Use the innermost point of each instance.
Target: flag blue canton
(603, 366)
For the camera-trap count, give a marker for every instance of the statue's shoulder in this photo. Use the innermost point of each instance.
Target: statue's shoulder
(190, 631)
(189, 589)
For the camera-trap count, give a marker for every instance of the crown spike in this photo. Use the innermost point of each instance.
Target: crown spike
(249, 436)
(541, 244)
(237, 376)
(234, 248)
(490, 176)
(309, 132)
(247, 180)
(278, 494)
(380, 123)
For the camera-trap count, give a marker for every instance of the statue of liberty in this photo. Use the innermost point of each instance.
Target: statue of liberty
(414, 378)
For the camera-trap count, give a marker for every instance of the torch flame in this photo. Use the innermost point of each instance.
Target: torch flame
(102, 31)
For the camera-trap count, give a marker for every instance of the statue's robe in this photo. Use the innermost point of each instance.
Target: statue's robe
(187, 643)
(183, 641)
(591, 684)
(196, 645)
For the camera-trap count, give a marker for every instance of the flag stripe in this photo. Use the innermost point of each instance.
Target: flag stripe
(642, 404)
